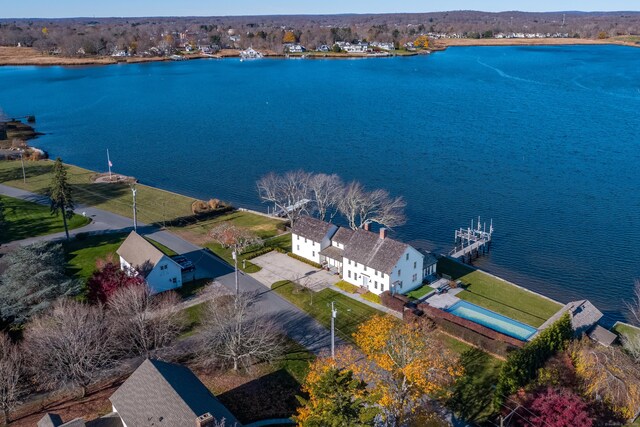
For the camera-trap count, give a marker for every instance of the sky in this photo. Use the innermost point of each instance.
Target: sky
(111, 8)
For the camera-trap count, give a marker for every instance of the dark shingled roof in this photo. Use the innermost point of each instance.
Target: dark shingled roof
(583, 316)
(369, 249)
(333, 253)
(311, 228)
(166, 394)
(342, 236)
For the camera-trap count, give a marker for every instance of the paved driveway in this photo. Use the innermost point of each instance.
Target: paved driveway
(276, 266)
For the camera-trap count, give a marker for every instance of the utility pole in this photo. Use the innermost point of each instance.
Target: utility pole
(334, 313)
(135, 209)
(24, 175)
(235, 260)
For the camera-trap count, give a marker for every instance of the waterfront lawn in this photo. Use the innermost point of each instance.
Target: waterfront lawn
(27, 219)
(154, 205)
(498, 295)
(625, 330)
(264, 227)
(351, 313)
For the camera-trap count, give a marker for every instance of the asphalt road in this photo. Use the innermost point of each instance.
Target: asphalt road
(295, 323)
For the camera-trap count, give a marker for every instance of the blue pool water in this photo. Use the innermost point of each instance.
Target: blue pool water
(544, 140)
(492, 320)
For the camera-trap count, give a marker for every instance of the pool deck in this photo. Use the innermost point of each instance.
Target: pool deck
(445, 300)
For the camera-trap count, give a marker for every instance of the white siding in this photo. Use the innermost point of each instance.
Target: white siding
(166, 274)
(355, 273)
(306, 248)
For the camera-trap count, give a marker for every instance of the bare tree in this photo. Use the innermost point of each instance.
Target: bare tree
(327, 191)
(145, 323)
(11, 374)
(633, 306)
(360, 206)
(287, 192)
(232, 333)
(73, 344)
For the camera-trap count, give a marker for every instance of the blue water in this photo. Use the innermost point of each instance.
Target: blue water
(544, 140)
(492, 320)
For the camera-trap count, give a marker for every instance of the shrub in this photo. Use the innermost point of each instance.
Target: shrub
(82, 236)
(306, 261)
(280, 250)
(347, 287)
(258, 252)
(370, 296)
(522, 366)
(282, 226)
(213, 204)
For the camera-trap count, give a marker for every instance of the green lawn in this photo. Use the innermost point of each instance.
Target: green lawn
(83, 254)
(154, 205)
(498, 295)
(351, 313)
(165, 250)
(27, 219)
(262, 226)
(623, 329)
(420, 292)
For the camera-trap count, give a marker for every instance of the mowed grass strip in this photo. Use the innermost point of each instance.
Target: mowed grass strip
(351, 313)
(498, 295)
(82, 254)
(154, 205)
(27, 219)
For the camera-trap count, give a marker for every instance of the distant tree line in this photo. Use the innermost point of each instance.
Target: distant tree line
(157, 36)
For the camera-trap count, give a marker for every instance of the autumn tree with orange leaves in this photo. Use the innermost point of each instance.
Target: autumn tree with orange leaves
(289, 37)
(406, 365)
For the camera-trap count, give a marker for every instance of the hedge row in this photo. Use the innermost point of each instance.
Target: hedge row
(259, 252)
(522, 366)
(394, 302)
(306, 261)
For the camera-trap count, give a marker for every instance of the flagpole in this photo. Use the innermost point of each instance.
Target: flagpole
(109, 163)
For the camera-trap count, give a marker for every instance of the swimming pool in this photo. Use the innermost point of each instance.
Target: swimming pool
(492, 320)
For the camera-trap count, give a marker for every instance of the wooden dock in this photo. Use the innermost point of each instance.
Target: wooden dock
(471, 242)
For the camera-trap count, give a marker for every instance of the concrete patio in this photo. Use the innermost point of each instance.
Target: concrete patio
(276, 267)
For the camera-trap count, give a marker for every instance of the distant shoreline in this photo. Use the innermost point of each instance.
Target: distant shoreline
(22, 56)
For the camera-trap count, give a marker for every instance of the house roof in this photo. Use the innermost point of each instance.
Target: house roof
(333, 253)
(139, 252)
(602, 336)
(583, 316)
(161, 393)
(429, 258)
(342, 236)
(369, 249)
(311, 228)
(50, 420)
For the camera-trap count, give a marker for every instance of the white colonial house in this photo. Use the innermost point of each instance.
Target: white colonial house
(309, 236)
(370, 260)
(138, 256)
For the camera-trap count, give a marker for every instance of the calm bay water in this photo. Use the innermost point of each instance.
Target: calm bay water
(544, 140)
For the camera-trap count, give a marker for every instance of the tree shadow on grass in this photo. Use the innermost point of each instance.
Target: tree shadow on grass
(96, 194)
(91, 243)
(32, 170)
(270, 396)
(473, 392)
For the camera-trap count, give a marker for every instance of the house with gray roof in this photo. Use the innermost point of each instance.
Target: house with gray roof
(157, 394)
(139, 257)
(309, 236)
(369, 260)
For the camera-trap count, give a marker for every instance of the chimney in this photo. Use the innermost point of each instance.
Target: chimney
(365, 226)
(383, 233)
(205, 420)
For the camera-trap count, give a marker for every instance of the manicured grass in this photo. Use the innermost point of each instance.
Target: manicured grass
(27, 219)
(82, 254)
(154, 205)
(193, 316)
(283, 242)
(351, 313)
(190, 289)
(498, 295)
(623, 329)
(347, 287)
(262, 226)
(420, 292)
(473, 393)
(370, 296)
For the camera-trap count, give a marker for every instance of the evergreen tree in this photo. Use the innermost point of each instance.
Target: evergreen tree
(336, 398)
(60, 194)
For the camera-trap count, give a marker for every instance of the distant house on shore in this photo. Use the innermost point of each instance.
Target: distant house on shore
(370, 260)
(140, 257)
(157, 394)
(294, 48)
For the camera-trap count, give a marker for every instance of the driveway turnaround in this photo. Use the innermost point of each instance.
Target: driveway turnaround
(276, 267)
